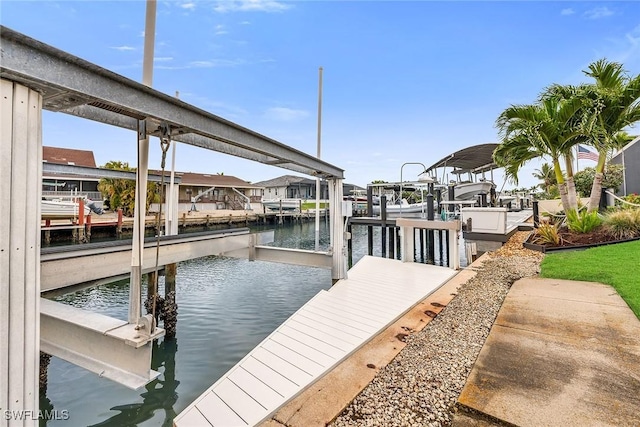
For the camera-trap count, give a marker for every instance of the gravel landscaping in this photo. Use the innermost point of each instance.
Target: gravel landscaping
(421, 385)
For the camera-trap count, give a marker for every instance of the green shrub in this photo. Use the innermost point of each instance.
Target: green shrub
(624, 224)
(547, 234)
(583, 221)
(634, 199)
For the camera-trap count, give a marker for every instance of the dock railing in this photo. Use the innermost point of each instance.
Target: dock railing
(411, 239)
(408, 228)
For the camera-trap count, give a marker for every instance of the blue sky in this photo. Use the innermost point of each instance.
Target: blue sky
(403, 81)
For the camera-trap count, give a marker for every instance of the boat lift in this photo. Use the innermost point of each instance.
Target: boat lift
(36, 77)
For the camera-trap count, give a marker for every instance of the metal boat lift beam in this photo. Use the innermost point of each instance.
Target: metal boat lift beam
(95, 262)
(109, 347)
(72, 85)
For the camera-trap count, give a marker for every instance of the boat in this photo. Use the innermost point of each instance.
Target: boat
(398, 206)
(474, 162)
(404, 209)
(470, 190)
(282, 204)
(60, 209)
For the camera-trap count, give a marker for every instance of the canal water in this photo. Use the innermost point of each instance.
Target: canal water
(225, 308)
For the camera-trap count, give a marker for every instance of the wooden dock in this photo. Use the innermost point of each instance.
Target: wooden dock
(316, 338)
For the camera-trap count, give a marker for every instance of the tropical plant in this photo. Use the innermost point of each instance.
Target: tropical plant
(624, 224)
(547, 234)
(533, 131)
(609, 106)
(612, 179)
(546, 175)
(583, 221)
(122, 192)
(631, 200)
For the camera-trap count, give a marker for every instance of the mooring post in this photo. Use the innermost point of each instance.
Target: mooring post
(47, 232)
(430, 216)
(170, 312)
(45, 359)
(88, 227)
(383, 230)
(350, 244)
(119, 222)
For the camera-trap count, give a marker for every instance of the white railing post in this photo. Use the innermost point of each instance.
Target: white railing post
(339, 249)
(454, 251)
(407, 243)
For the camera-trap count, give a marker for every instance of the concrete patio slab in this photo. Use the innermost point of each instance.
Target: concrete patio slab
(560, 353)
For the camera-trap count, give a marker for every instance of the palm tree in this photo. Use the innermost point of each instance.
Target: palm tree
(547, 176)
(122, 192)
(610, 105)
(533, 131)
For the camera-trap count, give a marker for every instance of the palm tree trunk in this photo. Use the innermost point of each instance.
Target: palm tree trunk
(572, 198)
(562, 187)
(596, 188)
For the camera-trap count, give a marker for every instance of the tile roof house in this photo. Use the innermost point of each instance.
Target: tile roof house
(213, 191)
(297, 187)
(60, 184)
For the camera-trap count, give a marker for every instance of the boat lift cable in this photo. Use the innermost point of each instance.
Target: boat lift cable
(165, 143)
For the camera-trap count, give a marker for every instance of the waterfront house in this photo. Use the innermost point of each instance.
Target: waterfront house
(629, 158)
(205, 192)
(61, 184)
(297, 187)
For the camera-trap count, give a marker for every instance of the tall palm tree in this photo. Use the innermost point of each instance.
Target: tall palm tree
(610, 105)
(533, 131)
(547, 176)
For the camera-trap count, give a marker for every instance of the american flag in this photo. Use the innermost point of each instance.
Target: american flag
(585, 154)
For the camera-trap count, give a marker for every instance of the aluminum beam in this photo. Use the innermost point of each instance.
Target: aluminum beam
(52, 168)
(68, 82)
(95, 262)
(285, 256)
(109, 347)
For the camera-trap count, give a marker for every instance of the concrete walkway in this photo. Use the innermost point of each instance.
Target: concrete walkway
(560, 353)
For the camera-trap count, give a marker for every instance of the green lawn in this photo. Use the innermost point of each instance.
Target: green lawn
(616, 265)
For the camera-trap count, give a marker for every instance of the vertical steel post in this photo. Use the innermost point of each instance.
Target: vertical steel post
(135, 298)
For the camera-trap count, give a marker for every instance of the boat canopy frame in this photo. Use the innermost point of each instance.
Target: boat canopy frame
(74, 86)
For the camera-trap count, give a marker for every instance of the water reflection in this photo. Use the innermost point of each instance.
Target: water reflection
(226, 307)
(160, 394)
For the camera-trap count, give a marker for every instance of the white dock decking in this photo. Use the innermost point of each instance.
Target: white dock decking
(317, 337)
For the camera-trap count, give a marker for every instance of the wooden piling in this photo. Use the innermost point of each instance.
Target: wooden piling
(170, 307)
(119, 222)
(45, 359)
(47, 232)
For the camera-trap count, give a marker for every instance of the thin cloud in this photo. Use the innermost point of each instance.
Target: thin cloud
(123, 48)
(598, 13)
(214, 63)
(163, 58)
(188, 6)
(250, 6)
(219, 30)
(245, 23)
(285, 114)
(567, 12)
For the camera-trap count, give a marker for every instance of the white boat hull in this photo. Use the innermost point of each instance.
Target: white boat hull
(59, 209)
(469, 190)
(413, 210)
(284, 204)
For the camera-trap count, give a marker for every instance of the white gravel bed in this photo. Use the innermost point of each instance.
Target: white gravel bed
(421, 385)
